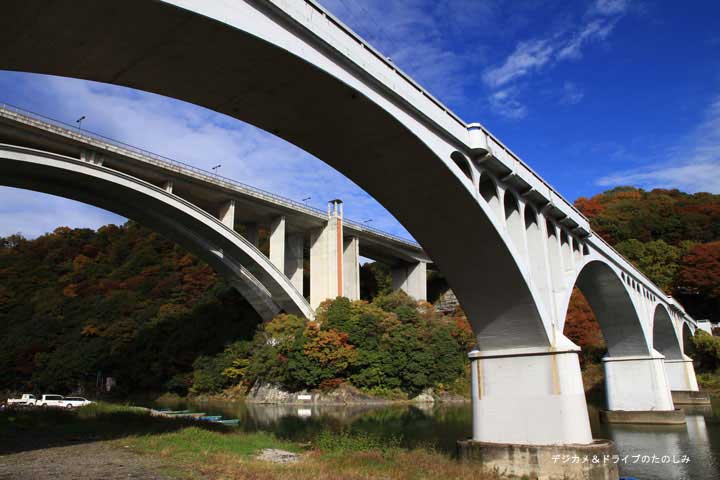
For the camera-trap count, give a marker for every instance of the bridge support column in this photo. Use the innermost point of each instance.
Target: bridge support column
(168, 186)
(683, 383)
(351, 268)
(252, 234)
(529, 406)
(326, 258)
(277, 243)
(529, 396)
(227, 214)
(637, 391)
(412, 279)
(294, 264)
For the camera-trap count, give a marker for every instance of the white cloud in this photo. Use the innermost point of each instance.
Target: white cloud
(693, 164)
(699, 177)
(505, 103)
(535, 55)
(31, 214)
(528, 57)
(417, 38)
(595, 30)
(571, 94)
(610, 7)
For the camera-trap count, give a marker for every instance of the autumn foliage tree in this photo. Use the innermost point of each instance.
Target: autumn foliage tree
(120, 301)
(669, 235)
(582, 328)
(699, 278)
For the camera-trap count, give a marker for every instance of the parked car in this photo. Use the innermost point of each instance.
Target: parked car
(51, 401)
(74, 402)
(25, 399)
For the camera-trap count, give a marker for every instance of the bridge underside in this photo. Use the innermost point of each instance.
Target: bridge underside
(304, 91)
(252, 61)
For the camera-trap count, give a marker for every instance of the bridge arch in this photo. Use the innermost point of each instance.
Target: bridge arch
(614, 309)
(665, 335)
(308, 93)
(237, 260)
(686, 333)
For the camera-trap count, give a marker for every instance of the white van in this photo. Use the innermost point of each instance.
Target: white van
(51, 401)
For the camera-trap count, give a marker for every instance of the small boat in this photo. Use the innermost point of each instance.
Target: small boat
(174, 412)
(210, 418)
(195, 415)
(228, 422)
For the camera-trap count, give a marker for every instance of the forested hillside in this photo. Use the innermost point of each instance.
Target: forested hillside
(124, 302)
(121, 302)
(673, 237)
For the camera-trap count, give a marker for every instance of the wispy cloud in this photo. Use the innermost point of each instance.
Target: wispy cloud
(610, 7)
(529, 56)
(571, 94)
(535, 55)
(693, 164)
(505, 103)
(32, 214)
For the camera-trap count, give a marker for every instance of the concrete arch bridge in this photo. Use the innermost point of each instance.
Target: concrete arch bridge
(291, 68)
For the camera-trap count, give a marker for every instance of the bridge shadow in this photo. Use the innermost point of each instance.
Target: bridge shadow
(36, 429)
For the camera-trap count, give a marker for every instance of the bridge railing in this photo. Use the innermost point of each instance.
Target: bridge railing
(443, 111)
(211, 177)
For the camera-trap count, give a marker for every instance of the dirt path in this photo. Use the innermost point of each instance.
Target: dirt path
(94, 460)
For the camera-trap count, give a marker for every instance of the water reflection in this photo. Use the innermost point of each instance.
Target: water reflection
(441, 426)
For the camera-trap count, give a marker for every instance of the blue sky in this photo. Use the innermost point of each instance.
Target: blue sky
(591, 94)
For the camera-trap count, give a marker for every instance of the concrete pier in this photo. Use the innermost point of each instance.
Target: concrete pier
(277, 243)
(546, 462)
(351, 268)
(326, 258)
(529, 397)
(294, 264)
(681, 374)
(227, 214)
(412, 279)
(529, 413)
(637, 391)
(690, 397)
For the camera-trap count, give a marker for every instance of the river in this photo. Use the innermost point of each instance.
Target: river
(442, 425)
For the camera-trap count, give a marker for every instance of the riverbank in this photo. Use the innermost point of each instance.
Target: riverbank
(710, 382)
(131, 443)
(345, 394)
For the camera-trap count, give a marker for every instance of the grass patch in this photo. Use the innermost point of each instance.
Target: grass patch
(710, 382)
(194, 443)
(343, 443)
(199, 450)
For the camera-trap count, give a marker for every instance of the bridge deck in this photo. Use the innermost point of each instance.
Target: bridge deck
(205, 189)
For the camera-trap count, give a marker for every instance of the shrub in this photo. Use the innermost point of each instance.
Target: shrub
(707, 351)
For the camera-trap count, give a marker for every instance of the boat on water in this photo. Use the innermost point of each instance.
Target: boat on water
(174, 412)
(210, 418)
(228, 422)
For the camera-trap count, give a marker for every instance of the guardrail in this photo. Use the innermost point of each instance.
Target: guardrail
(447, 111)
(208, 176)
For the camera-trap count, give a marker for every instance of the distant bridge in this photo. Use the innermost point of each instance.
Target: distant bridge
(511, 247)
(292, 226)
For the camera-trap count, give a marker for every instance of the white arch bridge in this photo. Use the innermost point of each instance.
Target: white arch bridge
(510, 246)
